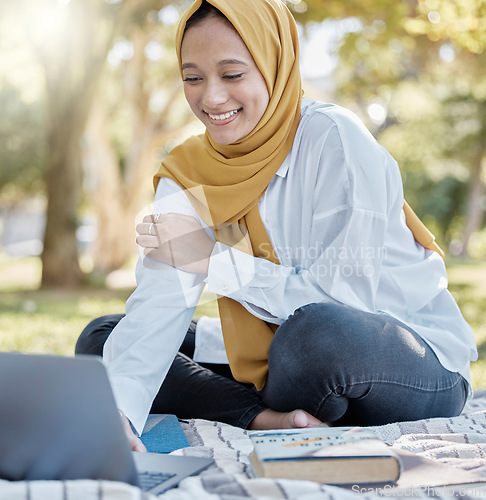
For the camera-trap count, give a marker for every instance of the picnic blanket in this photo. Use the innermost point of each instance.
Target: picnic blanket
(459, 443)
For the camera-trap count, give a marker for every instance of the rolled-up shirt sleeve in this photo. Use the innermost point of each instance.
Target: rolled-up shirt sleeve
(142, 347)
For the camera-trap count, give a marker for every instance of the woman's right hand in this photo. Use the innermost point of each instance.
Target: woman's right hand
(134, 441)
(177, 240)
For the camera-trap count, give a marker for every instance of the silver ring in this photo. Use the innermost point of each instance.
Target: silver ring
(150, 229)
(156, 218)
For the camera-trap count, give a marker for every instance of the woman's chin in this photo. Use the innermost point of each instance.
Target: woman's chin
(223, 138)
(224, 135)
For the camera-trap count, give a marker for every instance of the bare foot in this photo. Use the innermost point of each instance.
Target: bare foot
(271, 419)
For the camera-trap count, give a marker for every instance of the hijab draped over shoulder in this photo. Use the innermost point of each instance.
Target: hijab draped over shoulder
(225, 182)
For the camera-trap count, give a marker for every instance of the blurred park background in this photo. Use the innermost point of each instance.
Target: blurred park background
(91, 101)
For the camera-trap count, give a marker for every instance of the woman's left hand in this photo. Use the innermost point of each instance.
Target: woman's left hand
(177, 240)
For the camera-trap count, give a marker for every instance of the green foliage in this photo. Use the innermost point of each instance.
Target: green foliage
(461, 21)
(427, 136)
(425, 64)
(306, 11)
(21, 141)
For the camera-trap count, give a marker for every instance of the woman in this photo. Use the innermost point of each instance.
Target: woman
(332, 309)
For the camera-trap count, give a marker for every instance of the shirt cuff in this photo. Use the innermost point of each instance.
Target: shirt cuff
(229, 270)
(132, 399)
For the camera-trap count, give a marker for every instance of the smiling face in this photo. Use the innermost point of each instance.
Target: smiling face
(222, 83)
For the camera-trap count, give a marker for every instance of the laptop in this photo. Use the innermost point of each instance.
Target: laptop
(59, 420)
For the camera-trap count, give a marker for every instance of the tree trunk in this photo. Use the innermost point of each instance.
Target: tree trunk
(118, 199)
(60, 253)
(60, 265)
(119, 194)
(115, 241)
(72, 70)
(475, 209)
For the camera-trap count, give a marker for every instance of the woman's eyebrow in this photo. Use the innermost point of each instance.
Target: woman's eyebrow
(231, 61)
(223, 62)
(188, 65)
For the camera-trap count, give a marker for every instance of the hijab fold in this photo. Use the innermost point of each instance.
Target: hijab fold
(225, 182)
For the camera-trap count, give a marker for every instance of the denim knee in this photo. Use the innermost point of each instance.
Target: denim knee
(306, 359)
(314, 333)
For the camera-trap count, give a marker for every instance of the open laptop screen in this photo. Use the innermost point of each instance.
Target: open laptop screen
(58, 420)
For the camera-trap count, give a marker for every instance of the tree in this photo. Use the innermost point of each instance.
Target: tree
(120, 159)
(72, 56)
(459, 27)
(423, 63)
(71, 40)
(21, 143)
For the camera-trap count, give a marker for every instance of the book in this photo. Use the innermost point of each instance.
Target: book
(331, 455)
(163, 433)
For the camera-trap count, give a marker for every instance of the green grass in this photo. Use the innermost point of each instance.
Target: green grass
(467, 282)
(45, 321)
(50, 321)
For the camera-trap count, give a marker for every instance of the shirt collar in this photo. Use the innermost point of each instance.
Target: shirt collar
(282, 171)
(284, 168)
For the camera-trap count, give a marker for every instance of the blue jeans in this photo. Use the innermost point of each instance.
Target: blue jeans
(357, 368)
(339, 364)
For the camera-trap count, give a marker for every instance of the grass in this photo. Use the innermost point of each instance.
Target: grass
(50, 321)
(467, 282)
(46, 321)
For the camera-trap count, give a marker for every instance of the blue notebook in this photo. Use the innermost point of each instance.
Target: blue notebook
(163, 433)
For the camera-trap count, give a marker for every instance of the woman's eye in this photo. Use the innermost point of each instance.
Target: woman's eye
(191, 79)
(233, 77)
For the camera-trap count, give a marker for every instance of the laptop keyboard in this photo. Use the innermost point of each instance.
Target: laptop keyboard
(149, 480)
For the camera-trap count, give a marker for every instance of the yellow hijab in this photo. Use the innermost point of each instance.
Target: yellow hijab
(225, 182)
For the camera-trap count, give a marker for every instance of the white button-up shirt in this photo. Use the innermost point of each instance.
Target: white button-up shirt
(334, 215)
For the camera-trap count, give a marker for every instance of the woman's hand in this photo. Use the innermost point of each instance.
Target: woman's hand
(177, 240)
(135, 442)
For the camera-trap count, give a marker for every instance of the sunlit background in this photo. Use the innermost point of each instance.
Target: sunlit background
(91, 101)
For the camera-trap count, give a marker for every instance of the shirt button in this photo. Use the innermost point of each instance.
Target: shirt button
(225, 288)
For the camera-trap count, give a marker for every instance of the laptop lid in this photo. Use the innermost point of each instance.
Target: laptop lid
(58, 420)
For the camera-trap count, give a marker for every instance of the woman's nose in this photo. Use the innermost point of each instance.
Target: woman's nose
(215, 93)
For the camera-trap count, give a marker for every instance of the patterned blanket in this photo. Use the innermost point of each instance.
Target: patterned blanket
(459, 443)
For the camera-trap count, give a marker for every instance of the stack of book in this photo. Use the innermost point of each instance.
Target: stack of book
(331, 455)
